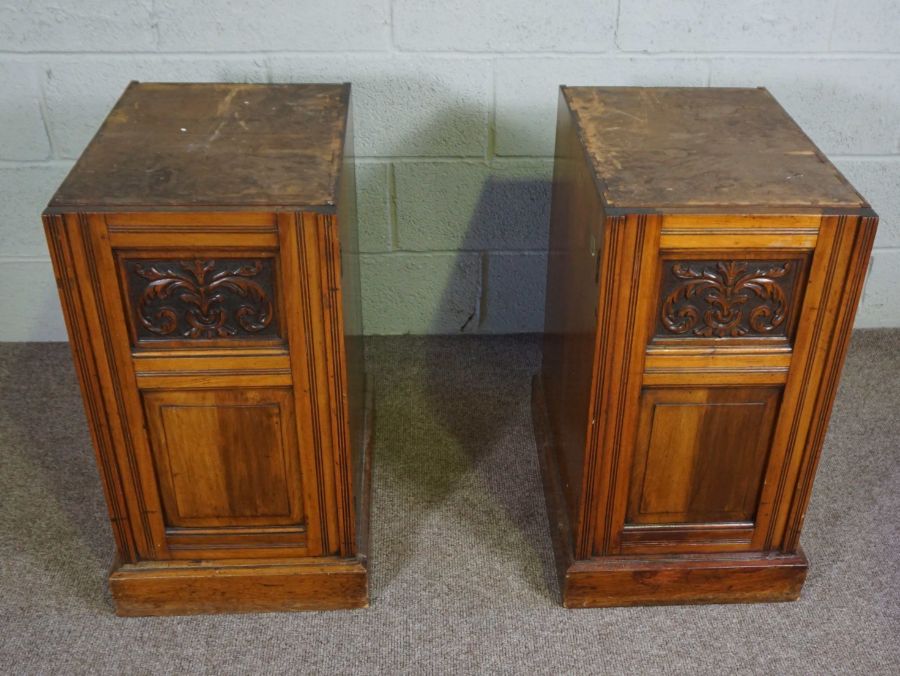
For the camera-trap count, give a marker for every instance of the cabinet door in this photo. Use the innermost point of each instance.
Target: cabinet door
(226, 460)
(700, 454)
(711, 413)
(209, 335)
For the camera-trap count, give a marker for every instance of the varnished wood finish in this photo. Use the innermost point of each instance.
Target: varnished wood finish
(681, 472)
(239, 587)
(634, 581)
(205, 288)
(706, 262)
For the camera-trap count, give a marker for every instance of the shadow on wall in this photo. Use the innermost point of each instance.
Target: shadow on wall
(497, 287)
(507, 231)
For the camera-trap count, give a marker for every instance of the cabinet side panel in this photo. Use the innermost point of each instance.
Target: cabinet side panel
(576, 219)
(58, 240)
(857, 241)
(352, 311)
(321, 234)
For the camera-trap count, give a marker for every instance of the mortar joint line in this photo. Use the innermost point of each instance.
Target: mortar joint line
(41, 74)
(481, 307)
(393, 227)
(616, 26)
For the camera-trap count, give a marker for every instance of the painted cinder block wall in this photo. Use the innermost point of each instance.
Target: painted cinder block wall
(455, 105)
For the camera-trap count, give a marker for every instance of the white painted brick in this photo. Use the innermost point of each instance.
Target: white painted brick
(227, 25)
(879, 183)
(80, 92)
(528, 92)
(373, 209)
(407, 105)
(22, 134)
(30, 297)
(24, 192)
(715, 26)
(516, 284)
(880, 306)
(505, 25)
(77, 26)
(487, 221)
(472, 206)
(420, 293)
(846, 105)
(867, 26)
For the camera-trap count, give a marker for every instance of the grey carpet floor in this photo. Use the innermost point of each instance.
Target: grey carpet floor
(461, 561)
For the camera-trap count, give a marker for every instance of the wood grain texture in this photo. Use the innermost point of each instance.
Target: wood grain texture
(222, 145)
(212, 347)
(225, 457)
(323, 584)
(700, 454)
(571, 315)
(660, 147)
(637, 581)
(730, 261)
(77, 312)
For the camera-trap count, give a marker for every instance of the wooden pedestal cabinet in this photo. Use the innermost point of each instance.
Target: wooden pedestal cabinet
(705, 265)
(205, 249)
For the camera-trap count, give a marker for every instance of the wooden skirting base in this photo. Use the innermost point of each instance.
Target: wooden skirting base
(627, 581)
(180, 589)
(654, 580)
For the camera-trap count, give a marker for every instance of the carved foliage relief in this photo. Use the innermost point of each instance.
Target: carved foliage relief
(202, 298)
(726, 298)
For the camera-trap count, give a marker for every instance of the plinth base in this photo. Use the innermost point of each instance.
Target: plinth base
(627, 581)
(188, 589)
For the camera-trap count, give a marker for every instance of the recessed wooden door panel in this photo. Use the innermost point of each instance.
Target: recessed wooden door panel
(700, 455)
(226, 458)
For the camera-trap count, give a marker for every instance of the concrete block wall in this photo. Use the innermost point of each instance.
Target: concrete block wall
(455, 105)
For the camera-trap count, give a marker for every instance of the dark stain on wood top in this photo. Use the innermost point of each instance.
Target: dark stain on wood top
(684, 148)
(221, 145)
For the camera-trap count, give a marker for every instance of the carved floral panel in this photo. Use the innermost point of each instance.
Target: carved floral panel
(202, 298)
(727, 298)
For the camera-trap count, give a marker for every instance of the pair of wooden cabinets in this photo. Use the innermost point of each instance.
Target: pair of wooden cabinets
(705, 263)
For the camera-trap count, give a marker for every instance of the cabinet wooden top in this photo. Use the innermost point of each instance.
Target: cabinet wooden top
(701, 149)
(169, 146)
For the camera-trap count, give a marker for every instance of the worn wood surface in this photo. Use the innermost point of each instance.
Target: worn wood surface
(212, 347)
(658, 147)
(719, 311)
(214, 145)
